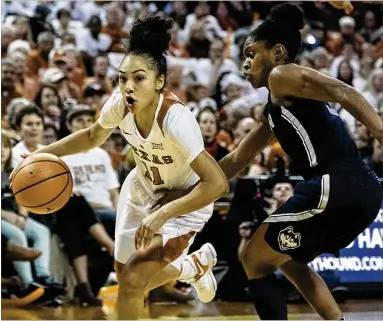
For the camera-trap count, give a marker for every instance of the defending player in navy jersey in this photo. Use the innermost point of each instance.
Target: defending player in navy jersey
(340, 196)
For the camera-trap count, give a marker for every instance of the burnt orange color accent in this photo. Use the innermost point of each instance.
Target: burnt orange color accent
(201, 269)
(169, 100)
(175, 246)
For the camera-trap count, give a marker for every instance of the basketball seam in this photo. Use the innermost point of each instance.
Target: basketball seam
(67, 183)
(39, 161)
(44, 180)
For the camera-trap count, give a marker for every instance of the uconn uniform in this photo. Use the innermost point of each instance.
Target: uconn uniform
(340, 196)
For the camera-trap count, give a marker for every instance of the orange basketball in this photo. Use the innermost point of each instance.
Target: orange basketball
(42, 183)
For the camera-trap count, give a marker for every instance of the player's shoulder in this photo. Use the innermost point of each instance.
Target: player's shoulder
(170, 109)
(115, 100)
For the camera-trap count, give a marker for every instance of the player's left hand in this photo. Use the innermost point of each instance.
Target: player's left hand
(150, 225)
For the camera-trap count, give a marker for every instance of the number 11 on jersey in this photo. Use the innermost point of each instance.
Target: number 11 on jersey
(156, 179)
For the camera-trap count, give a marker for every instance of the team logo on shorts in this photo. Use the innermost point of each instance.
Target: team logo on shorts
(288, 240)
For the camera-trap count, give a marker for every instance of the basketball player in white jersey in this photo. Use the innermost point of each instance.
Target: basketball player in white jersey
(151, 246)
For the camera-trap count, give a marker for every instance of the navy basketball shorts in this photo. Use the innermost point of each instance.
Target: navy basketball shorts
(325, 214)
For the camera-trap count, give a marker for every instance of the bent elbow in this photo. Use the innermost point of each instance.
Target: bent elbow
(224, 188)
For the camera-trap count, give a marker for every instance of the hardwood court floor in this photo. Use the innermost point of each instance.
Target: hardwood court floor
(354, 310)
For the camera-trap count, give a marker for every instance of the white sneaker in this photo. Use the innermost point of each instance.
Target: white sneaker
(204, 281)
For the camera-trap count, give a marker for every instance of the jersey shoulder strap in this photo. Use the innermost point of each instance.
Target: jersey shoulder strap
(169, 100)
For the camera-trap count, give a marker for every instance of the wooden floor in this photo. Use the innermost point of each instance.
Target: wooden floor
(354, 310)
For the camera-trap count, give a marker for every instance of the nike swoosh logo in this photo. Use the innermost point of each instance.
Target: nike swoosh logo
(201, 270)
(126, 132)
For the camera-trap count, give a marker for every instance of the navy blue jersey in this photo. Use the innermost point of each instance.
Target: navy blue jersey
(314, 137)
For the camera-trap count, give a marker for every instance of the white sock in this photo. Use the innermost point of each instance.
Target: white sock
(188, 270)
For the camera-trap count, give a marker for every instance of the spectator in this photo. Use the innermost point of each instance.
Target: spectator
(75, 68)
(19, 228)
(93, 95)
(63, 23)
(208, 123)
(114, 28)
(223, 13)
(14, 252)
(91, 41)
(100, 70)
(49, 101)
(179, 13)
(281, 192)
(174, 82)
(203, 18)
(348, 53)
(176, 47)
(92, 171)
(320, 59)
(39, 22)
(68, 39)
(374, 87)
(243, 127)
(197, 44)
(366, 67)
(347, 34)
(370, 29)
(29, 122)
(12, 110)
(25, 85)
(7, 36)
(50, 134)
(55, 77)
(345, 73)
(8, 84)
(38, 59)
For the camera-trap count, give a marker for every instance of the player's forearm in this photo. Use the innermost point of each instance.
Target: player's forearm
(201, 196)
(75, 143)
(358, 106)
(232, 167)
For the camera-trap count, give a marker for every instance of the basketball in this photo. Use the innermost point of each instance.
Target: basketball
(42, 183)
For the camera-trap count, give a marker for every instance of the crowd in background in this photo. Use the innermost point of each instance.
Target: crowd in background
(59, 65)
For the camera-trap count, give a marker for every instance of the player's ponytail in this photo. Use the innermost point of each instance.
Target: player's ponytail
(282, 26)
(150, 38)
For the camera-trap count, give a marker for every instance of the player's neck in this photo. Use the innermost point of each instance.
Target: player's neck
(145, 119)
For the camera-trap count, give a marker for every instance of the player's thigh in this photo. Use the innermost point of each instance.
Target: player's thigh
(143, 264)
(259, 257)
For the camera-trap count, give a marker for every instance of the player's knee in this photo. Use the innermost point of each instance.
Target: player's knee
(130, 279)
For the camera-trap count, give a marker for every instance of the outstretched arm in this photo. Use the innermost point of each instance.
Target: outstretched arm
(292, 80)
(77, 142)
(254, 142)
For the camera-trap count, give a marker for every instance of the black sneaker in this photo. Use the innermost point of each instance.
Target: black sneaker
(53, 286)
(85, 296)
(26, 295)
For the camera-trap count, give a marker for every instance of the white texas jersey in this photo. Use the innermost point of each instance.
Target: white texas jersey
(163, 158)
